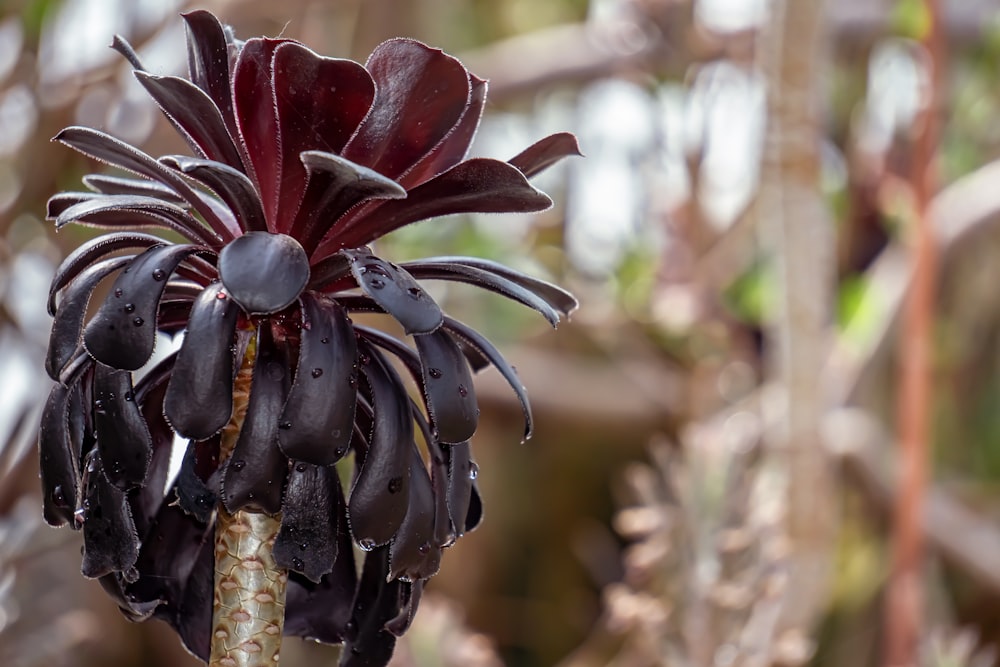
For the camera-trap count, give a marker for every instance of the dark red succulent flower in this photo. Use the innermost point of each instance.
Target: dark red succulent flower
(299, 163)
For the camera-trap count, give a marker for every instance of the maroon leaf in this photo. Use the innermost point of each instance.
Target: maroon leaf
(232, 186)
(544, 153)
(132, 211)
(118, 185)
(208, 61)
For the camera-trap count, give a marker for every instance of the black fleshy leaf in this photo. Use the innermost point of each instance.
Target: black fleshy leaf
(307, 540)
(461, 479)
(196, 493)
(110, 542)
(413, 554)
(377, 602)
(59, 455)
(193, 620)
(232, 186)
(199, 400)
(123, 439)
(119, 185)
(132, 211)
(66, 336)
(444, 533)
(475, 514)
(264, 272)
(396, 291)
(123, 331)
(149, 392)
(378, 499)
(92, 251)
(411, 594)
(471, 337)
(447, 383)
(254, 475)
(317, 418)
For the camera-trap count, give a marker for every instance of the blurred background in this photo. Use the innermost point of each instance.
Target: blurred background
(769, 436)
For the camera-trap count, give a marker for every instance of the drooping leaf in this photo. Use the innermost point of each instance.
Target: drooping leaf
(58, 458)
(461, 479)
(197, 492)
(307, 540)
(448, 388)
(123, 330)
(110, 542)
(396, 291)
(123, 439)
(376, 603)
(199, 400)
(315, 424)
(414, 554)
(544, 153)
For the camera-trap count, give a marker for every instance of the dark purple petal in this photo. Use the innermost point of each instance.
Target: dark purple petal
(553, 295)
(199, 400)
(322, 611)
(421, 95)
(197, 480)
(461, 479)
(544, 153)
(195, 116)
(110, 542)
(123, 439)
(335, 186)
(320, 102)
(479, 185)
(118, 185)
(58, 458)
(253, 99)
(307, 540)
(476, 340)
(447, 384)
(413, 554)
(396, 291)
(90, 252)
(263, 272)
(255, 474)
(379, 497)
(317, 418)
(67, 327)
(208, 61)
(133, 211)
(377, 602)
(109, 150)
(123, 330)
(232, 186)
(452, 149)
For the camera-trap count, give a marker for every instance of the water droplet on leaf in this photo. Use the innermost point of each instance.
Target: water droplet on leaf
(239, 465)
(317, 372)
(300, 467)
(395, 484)
(129, 307)
(366, 544)
(284, 425)
(435, 373)
(463, 391)
(159, 274)
(118, 292)
(473, 470)
(138, 321)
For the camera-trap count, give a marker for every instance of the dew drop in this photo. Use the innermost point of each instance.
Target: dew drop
(239, 465)
(395, 484)
(303, 546)
(435, 373)
(463, 391)
(366, 544)
(376, 283)
(159, 274)
(424, 548)
(220, 296)
(353, 381)
(138, 321)
(59, 496)
(364, 359)
(317, 372)
(129, 307)
(129, 396)
(300, 467)
(99, 406)
(298, 563)
(414, 292)
(118, 292)
(473, 470)
(284, 425)
(79, 515)
(250, 495)
(324, 340)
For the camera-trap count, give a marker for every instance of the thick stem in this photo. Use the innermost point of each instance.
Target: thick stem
(249, 608)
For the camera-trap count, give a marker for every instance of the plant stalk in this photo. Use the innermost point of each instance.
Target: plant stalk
(248, 614)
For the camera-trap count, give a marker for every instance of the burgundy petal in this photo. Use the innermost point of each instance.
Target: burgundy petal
(118, 185)
(133, 211)
(208, 61)
(253, 99)
(255, 474)
(232, 186)
(195, 116)
(322, 611)
(263, 272)
(476, 340)
(67, 327)
(90, 252)
(317, 418)
(59, 454)
(110, 542)
(377, 602)
(123, 330)
(447, 384)
(106, 148)
(452, 149)
(396, 291)
(307, 540)
(378, 499)
(123, 439)
(335, 186)
(479, 185)
(320, 102)
(544, 153)
(199, 400)
(422, 93)
(413, 554)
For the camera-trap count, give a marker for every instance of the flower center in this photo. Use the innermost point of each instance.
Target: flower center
(264, 272)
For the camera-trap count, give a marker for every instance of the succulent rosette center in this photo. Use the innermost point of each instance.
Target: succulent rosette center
(264, 272)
